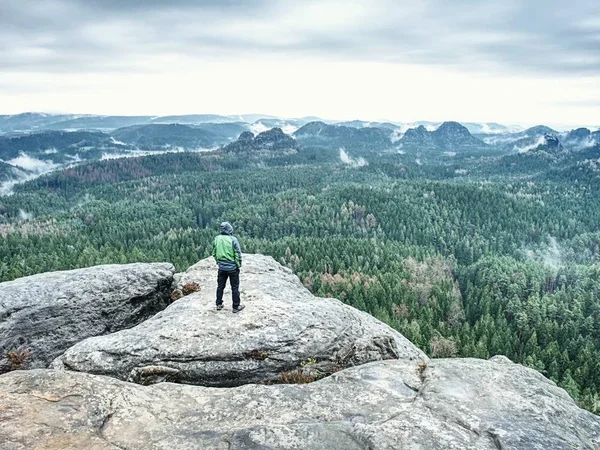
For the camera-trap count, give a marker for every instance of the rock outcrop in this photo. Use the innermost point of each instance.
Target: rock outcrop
(550, 144)
(319, 134)
(418, 139)
(449, 136)
(284, 328)
(397, 404)
(392, 396)
(48, 313)
(273, 142)
(455, 137)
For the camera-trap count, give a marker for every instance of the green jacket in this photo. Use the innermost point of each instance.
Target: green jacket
(227, 252)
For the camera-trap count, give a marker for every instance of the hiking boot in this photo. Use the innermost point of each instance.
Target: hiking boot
(220, 307)
(239, 308)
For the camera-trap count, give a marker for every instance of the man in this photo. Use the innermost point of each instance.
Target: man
(228, 255)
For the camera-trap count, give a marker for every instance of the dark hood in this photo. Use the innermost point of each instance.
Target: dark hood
(226, 228)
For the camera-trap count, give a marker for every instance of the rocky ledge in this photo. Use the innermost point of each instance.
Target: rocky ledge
(46, 314)
(395, 404)
(374, 389)
(284, 331)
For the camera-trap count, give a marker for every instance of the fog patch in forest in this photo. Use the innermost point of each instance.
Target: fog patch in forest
(540, 141)
(117, 142)
(24, 215)
(258, 127)
(6, 188)
(550, 254)
(587, 143)
(397, 134)
(34, 165)
(493, 140)
(353, 162)
(137, 153)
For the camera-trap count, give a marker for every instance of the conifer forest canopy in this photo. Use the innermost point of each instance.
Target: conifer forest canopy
(474, 253)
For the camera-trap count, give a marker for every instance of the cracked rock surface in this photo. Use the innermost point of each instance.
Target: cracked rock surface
(283, 326)
(49, 312)
(394, 404)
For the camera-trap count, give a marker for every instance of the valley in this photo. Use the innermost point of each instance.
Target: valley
(469, 244)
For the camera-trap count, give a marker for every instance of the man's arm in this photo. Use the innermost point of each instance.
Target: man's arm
(238, 252)
(215, 249)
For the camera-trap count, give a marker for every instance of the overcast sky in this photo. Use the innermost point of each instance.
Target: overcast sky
(510, 61)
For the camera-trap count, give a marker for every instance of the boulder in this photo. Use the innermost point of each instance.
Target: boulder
(45, 314)
(284, 331)
(394, 404)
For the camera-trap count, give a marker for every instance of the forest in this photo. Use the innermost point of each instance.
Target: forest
(469, 256)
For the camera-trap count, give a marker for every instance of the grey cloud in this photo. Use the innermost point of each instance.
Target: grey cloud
(543, 37)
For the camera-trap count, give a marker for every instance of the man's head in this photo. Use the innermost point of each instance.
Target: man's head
(226, 228)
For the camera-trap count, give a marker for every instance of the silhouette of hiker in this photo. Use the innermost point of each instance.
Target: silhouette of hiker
(228, 255)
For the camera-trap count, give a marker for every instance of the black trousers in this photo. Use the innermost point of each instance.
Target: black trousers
(234, 281)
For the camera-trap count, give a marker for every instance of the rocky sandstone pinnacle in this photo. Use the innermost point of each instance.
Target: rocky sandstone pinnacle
(49, 312)
(283, 329)
(465, 404)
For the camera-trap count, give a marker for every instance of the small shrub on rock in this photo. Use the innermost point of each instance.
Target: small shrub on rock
(18, 359)
(176, 295)
(190, 288)
(304, 374)
(258, 355)
(442, 347)
(297, 376)
(421, 370)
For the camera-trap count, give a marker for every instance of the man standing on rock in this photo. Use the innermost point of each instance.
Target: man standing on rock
(228, 255)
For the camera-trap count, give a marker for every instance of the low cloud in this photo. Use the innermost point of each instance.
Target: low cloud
(289, 129)
(586, 143)
(23, 215)
(259, 127)
(117, 142)
(353, 162)
(540, 141)
(34, 165)
(6, 188)
(137, 153)
(493, 140)
(397, 135)
(551, 254)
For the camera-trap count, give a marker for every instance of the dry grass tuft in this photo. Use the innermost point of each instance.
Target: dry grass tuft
(176, 295)
(18, 359)
(297, 376)
(190, 288)
(258, 355)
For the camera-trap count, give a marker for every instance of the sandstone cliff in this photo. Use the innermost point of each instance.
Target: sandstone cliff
(49, 312)
(375, 390)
